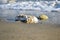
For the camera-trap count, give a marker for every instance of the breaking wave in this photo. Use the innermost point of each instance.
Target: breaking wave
(42, 5)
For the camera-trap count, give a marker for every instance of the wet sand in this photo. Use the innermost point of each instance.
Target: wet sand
(22, 31)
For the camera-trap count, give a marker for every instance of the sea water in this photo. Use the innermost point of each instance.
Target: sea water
(10, 15)
(8, 12)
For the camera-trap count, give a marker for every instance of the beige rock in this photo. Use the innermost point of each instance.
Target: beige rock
(43, 17)
(32, 19)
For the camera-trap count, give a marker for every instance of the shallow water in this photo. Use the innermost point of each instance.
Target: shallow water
(10, 15)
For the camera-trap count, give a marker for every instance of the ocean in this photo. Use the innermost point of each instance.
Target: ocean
(10, 15)
(8, 12)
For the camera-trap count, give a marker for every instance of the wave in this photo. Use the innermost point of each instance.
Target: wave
(41, 6)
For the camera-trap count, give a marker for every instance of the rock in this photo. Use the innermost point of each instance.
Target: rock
(21, 17)
(27, 18)
(32, 19)
(43, 17)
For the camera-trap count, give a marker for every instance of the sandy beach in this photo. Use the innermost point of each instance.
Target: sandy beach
(22, 31)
